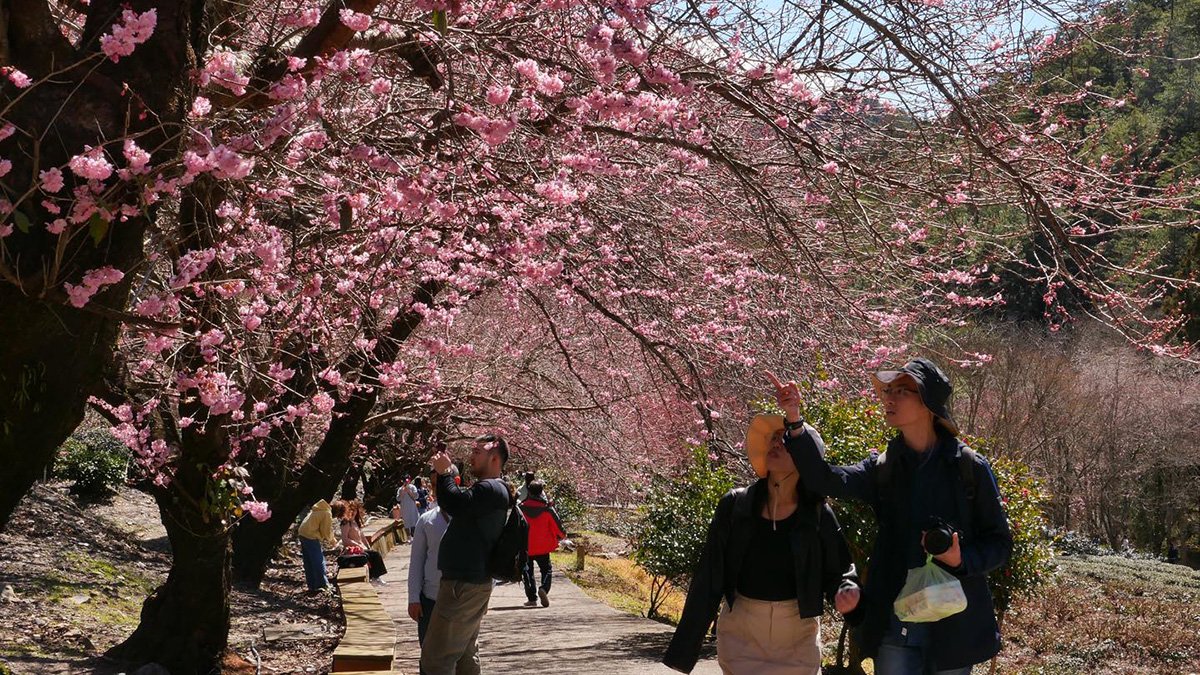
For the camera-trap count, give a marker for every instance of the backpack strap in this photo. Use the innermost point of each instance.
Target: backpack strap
(966, 490)
(966, 472)
(882, 467)
(883, 476)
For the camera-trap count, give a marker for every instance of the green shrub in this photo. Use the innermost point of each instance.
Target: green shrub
(567, 502)
(613, 521)
(96, 462)
(674, 522)
(1031, 564)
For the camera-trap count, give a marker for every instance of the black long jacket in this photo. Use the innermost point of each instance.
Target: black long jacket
(823, 565)
(903, 509)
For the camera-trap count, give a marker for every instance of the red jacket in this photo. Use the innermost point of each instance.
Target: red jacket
(545, 529)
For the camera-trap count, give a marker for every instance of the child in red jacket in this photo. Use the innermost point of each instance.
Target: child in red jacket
(545, 531)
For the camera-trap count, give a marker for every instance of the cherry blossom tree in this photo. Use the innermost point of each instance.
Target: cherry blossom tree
(73, 93)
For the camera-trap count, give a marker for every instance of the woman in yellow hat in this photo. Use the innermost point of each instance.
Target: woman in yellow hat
(774, 552)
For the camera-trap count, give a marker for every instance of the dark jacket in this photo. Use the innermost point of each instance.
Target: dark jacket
(903, 509)
(823, 565)
(477, 516)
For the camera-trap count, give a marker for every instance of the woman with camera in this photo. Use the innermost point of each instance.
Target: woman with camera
(774, 553)
(932, 495)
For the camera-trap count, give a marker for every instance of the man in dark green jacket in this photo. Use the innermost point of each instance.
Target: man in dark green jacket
(477, 517)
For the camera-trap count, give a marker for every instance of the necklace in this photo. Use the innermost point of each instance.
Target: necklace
(775, 500)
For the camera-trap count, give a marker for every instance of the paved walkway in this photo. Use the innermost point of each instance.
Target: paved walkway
(575, 634)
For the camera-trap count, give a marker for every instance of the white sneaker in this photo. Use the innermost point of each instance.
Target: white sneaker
(378, 581)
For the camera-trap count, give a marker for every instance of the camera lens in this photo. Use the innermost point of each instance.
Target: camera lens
(938, 540)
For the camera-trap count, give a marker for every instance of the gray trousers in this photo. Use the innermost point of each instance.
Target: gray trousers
(452, 641)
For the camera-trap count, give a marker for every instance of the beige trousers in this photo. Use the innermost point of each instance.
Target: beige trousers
(452, 640)
(757, 637)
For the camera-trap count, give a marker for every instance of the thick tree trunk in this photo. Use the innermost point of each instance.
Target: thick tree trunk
(350, 483)
(52, 355)
(185, 622)
(254, 543)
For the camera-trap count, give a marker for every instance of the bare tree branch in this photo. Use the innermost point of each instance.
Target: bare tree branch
(29, 39)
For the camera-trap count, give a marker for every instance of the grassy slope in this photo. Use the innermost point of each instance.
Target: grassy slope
(1108, 614)
(1103, 614)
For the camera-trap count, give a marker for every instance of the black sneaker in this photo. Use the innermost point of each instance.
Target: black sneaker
(545, 597)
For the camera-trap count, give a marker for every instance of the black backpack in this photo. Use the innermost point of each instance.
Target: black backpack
(507, 560)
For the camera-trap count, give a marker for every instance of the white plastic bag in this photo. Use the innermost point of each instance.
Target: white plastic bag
(930, 593)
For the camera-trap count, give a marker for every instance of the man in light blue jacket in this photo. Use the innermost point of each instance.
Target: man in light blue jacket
(423, 573)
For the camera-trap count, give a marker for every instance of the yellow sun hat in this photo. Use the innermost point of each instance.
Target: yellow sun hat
(758, 440)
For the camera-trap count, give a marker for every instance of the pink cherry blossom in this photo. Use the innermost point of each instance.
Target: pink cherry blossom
(288, 88)
(305, 18)
(51, 179)
(91, 164)
(18, 78)
(323, 402)
(353, 20)
(498, 95)
(257, 510)
(494, 132)
(132, 30)
(221, 70)
(201, 106)
(226, 163)
(136, 156)
(92, 282)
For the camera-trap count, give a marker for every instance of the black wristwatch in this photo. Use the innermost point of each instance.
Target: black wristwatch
(789, 427)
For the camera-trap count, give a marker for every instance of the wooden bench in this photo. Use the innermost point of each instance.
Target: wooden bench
(351, 575)
(385, 536)
(370, 639)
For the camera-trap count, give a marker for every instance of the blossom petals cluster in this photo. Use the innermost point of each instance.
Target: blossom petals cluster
(91, 164)
(221, 69)
(493, 131)
(356, 21)
(79, 295)
(132, 30)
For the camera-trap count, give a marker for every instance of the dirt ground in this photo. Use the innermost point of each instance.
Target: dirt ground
(79, 574)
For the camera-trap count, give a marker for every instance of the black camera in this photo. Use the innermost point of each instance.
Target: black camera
(939, 536)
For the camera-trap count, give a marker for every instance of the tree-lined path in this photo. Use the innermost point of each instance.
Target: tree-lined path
(575, 634)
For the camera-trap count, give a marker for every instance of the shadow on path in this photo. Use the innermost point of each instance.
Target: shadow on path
(575, 634)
